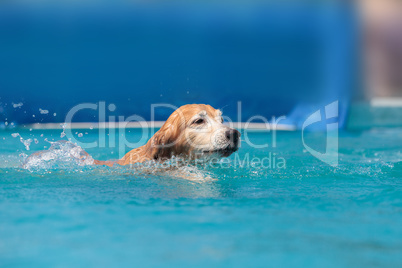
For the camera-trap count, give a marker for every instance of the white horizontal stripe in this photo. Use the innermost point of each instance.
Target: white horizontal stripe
(150, 124)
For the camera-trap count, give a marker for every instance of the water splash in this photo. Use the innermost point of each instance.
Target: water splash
(26, 143)
(63, 126)
(60, 154)
(65, 156)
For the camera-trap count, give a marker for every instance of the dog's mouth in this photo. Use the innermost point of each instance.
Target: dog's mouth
(222, 151)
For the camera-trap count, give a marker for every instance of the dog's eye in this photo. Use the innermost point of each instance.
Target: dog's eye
(222, 120)
(199, 121)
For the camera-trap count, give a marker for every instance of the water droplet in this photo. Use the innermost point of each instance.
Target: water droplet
(43, 111)
(17, 105)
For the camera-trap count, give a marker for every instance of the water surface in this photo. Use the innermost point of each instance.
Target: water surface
(304, 214)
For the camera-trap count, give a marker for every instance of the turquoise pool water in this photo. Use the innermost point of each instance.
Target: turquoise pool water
(307, 214)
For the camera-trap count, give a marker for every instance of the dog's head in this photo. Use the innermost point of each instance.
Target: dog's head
(194, 130)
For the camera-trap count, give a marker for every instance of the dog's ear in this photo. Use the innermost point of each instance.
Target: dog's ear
(164, 137)
(162, 144)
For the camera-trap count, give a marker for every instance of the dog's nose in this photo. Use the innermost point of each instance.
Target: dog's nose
(233, 135)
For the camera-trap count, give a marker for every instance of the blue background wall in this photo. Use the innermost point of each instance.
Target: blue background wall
(271, 57)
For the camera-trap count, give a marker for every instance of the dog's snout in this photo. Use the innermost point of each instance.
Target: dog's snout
(232, 135)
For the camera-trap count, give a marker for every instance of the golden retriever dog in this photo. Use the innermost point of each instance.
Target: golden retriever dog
(192, 131)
